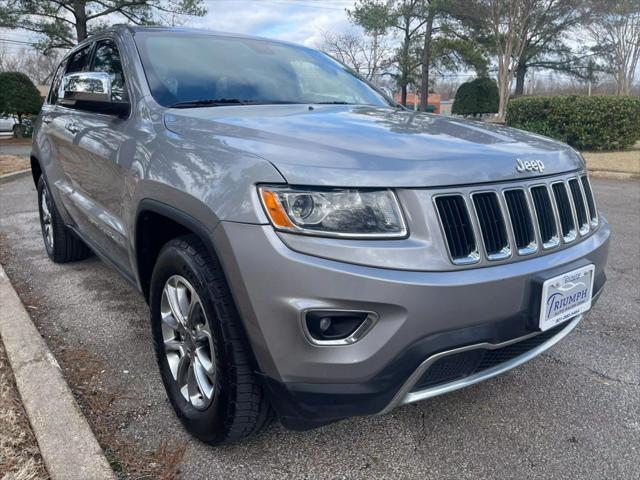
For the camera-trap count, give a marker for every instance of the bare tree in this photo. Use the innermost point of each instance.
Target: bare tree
(616, 33)
(39, 67)
(403, 17)
(509, 21)
(547, 44)
(367, 55)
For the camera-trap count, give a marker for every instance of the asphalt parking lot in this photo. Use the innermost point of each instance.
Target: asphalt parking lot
(574, 412)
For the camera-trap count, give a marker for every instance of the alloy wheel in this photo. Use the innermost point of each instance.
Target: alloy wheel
(188, 343)
(47, 226)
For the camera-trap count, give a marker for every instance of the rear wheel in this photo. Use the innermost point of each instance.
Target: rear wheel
(201, 349)
(61, 244)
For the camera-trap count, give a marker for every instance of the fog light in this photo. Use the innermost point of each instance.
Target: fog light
(337, 327)
(325, 324)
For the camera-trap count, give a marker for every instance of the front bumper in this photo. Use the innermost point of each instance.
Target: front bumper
(420, 314)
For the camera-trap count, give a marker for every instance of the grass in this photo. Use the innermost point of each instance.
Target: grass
(624, 161)
(13, 163)
(9, 140)
(19, 453)
(83, 369)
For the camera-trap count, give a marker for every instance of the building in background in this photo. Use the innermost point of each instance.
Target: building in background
(413, 101)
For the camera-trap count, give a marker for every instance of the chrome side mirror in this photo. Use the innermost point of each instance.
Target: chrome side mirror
(90, 91)
(92, 86)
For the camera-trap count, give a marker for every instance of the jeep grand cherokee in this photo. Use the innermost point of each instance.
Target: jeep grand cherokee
(308, 247)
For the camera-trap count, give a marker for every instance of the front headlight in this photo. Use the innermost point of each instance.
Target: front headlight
(335, 212)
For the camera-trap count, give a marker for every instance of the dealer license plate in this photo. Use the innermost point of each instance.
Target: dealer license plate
(565, 296)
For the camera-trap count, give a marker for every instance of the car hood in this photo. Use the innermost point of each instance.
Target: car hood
(360, 146)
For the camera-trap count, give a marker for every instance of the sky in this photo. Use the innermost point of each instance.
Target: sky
(299, 21)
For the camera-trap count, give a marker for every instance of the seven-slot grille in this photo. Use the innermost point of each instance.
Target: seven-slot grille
(515, 219)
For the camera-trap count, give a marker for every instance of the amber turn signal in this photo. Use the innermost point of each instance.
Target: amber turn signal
(275, 209)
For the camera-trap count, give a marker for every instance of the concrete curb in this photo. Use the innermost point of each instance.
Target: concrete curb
(7, 177)
(67, 444)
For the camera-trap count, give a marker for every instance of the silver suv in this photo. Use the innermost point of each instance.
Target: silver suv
(307, 247)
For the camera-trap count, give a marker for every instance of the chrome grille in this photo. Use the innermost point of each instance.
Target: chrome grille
(498, 223)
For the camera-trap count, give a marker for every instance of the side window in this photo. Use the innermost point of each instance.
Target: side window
(107, 59)
(55, 84)
(79, 61)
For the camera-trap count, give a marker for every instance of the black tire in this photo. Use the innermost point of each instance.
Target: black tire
(238, 407)
(62, 245)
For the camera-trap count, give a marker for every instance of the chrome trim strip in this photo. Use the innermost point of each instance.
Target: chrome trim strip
(573, 233)
(533, 245)
(555, 240)
(583, 229)
(593, 216)
(505, 252)
(365, 327)
(405, 395)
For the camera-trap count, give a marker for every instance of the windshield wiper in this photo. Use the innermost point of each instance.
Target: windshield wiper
(217, 102)
(335, 102)
(211, 102)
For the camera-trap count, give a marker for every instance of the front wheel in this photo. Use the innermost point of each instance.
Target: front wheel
(201, 349)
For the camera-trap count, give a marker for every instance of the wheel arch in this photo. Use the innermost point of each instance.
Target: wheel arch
(156, 224)
(36, 169)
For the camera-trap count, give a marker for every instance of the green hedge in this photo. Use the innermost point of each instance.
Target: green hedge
(476, 97)
(586, 123)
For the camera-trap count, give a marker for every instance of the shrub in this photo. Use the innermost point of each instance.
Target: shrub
(19, 97)
(585, 123)
(476, 97)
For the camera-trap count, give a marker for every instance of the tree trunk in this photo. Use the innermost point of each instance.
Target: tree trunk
(80, 14)
(504, 99)
(426, 61)
(374, 64)
(504, 86)
(18, 129)
(405, 67)
(521, 72)
(623, 82)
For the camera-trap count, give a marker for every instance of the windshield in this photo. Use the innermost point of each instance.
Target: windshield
(190, 68)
